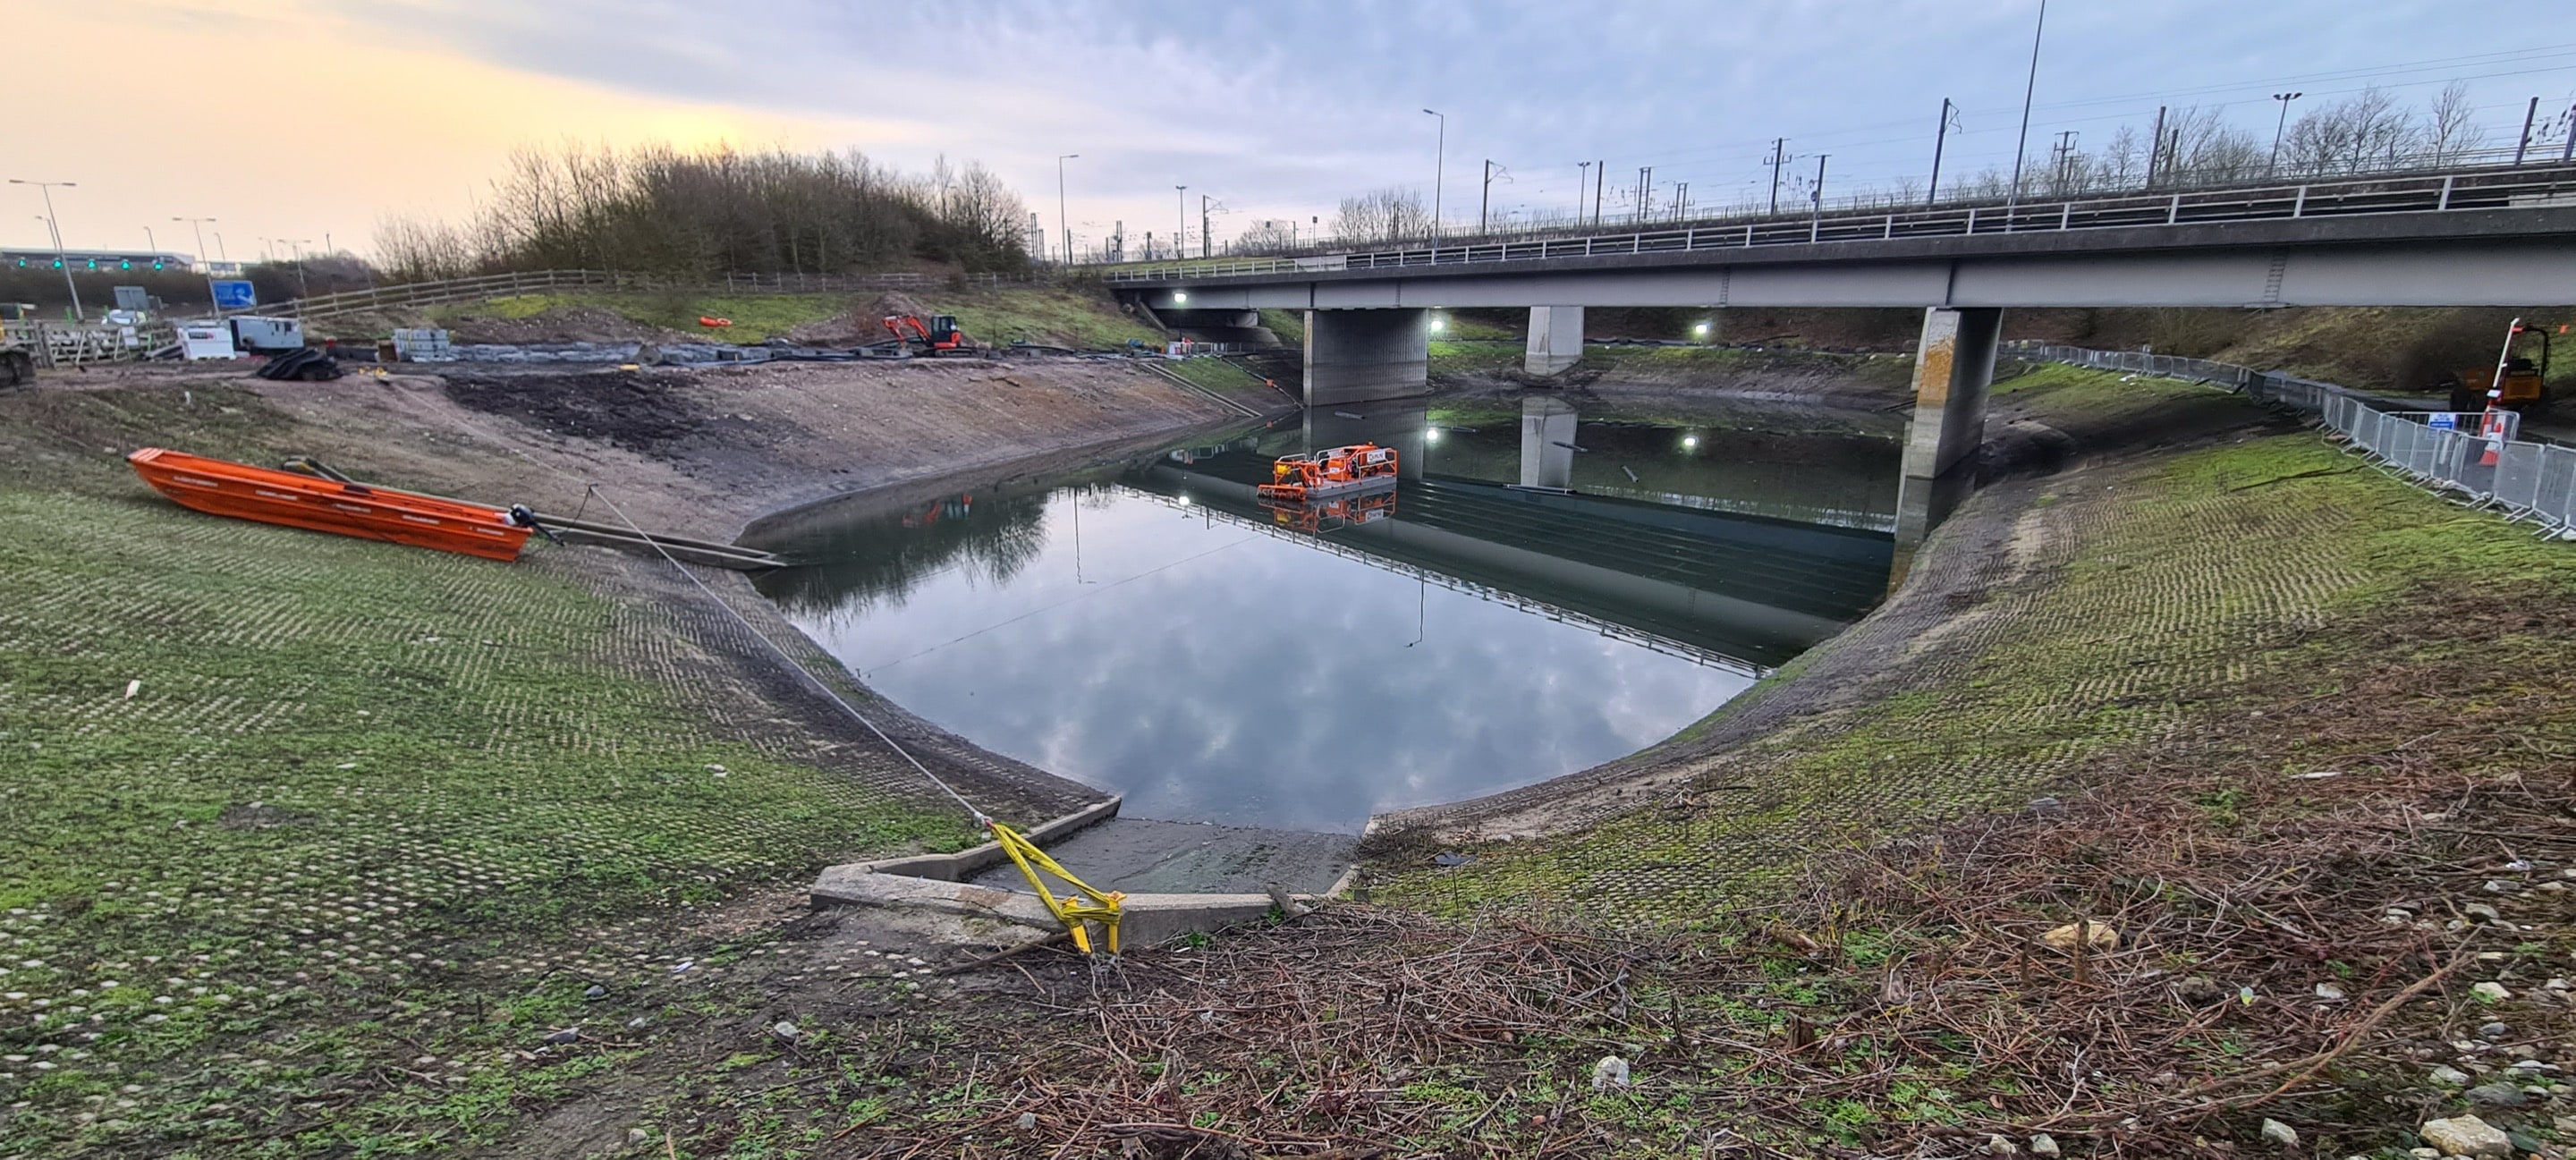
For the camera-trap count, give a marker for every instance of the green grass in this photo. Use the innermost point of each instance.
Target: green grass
(1050, 315)
(1289, 325)
(1055, 315)
(366, 804)
(2195, 571)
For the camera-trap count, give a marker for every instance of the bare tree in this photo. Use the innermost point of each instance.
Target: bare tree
(1393, 214)
(2367, 130)
(2450, 135)
(1264, 237)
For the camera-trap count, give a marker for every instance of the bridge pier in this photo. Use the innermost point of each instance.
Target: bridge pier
(1555, 339)
(1953, 367)
(1355, 356)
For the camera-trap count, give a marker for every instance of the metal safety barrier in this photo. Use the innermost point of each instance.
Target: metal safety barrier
(2488, 188)
(2523, 480)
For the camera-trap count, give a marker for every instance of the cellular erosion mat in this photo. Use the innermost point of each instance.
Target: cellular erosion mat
(318, 845)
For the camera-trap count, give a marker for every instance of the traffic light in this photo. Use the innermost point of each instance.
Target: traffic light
(156, 263)
(127, 264)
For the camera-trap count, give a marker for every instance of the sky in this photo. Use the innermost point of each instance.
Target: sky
(297, 121)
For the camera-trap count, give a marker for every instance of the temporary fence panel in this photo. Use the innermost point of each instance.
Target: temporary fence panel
(2447, 450)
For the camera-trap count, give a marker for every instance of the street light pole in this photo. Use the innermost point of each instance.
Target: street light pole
(2277, 127)
(1060, 226)
(151, 243)
(1582, 178)
(1439, 171)
(54, 227)
(1181, 240)
(199, 224)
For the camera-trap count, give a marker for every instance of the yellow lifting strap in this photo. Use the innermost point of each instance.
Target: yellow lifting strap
(1072, 910)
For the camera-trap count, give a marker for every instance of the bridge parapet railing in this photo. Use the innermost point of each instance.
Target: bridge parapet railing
(2456, 452)
(2489, 188)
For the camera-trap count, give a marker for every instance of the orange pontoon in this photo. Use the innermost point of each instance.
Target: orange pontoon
(325, 505)
(1332, 471)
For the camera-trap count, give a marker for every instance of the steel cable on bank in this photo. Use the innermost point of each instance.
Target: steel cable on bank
(592, 490)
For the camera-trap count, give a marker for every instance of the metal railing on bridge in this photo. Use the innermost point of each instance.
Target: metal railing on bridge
(2482, 189)
(2444, 451)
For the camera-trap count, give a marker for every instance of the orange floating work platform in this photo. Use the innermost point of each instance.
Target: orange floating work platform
(326, 505)
(1332, 471)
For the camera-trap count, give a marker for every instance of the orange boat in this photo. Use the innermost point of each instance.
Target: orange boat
(326, 505)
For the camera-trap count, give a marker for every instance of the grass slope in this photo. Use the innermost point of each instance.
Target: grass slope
(312, 839)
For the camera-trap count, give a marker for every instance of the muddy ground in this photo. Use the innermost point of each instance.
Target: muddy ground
(700, 452)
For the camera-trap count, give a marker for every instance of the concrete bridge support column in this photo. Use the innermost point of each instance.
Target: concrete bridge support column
(1355, 356)
(1953, 366)
(1555, 339)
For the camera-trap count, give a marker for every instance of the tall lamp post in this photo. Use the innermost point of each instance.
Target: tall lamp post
(2277, 127)
(1181, 240)
(1060, 226)
(303, 289)
(55, 228)
(1439, 170)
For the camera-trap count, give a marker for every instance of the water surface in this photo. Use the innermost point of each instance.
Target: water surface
(1536, 597)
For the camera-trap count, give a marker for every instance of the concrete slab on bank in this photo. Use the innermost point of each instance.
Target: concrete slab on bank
(1179, 877)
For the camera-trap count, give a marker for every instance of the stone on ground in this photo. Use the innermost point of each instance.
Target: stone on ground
(2466, 1136)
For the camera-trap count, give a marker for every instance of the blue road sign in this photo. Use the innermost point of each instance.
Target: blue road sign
(234, 295)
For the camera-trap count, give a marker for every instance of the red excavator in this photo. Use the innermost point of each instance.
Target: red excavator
(938, 339)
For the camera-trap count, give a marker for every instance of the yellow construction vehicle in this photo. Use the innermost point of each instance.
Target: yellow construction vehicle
(2522, 388)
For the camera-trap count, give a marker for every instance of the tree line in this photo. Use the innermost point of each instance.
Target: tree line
(662, 210)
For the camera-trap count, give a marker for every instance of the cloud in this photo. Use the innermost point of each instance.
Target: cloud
(1274, 111)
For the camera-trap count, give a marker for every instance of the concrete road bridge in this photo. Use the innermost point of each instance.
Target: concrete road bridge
(2491, 236)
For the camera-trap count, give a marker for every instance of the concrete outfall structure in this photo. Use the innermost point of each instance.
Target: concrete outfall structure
(937, 886)
(1555, 340)
(1355, 356)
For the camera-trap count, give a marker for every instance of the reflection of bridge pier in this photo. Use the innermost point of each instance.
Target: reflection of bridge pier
(1752, 589)
(1547, 442)
(1399, 425)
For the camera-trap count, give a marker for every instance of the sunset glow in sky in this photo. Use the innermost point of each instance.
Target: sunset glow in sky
(301, 118)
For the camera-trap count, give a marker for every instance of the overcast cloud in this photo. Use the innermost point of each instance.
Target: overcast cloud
(1276, 110)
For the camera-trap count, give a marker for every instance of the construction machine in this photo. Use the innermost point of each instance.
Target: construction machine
(1333, 471)
(937, 339)
(2521, 388)
(17, 363)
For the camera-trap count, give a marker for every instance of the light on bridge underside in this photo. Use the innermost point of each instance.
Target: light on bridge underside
(1179, 297)
(1701, 330)
(1439, 324)
(1185, 501)
(1431, 436)
(1690, 442)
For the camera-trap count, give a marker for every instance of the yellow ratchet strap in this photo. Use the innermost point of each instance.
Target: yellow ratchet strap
(1072, 910)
